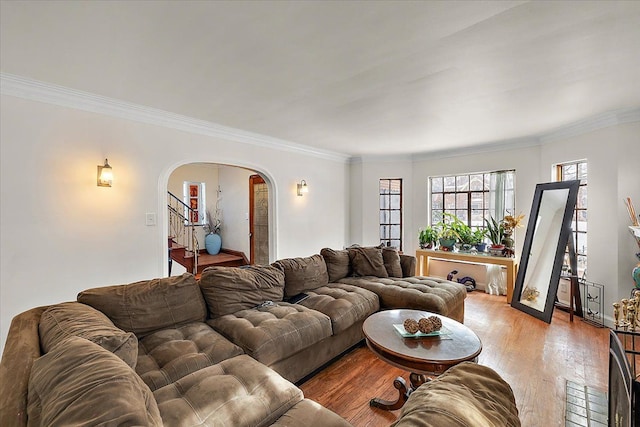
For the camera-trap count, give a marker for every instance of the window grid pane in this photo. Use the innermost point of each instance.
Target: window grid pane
(467, 196)
(391, 212)
(567, 172)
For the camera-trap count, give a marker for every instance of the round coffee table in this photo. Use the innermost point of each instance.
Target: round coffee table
(422, 357)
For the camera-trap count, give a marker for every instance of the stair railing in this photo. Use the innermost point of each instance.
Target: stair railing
(182, 228)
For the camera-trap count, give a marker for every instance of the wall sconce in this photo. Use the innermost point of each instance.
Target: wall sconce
(303, 188)
(105, 175)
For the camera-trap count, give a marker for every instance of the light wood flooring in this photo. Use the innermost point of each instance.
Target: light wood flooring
(535, 358)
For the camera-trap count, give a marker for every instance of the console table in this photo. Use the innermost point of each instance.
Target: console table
(423, 256)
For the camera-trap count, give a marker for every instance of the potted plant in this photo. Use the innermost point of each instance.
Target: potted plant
(447, 232)
(477, 237)
(427, 237)
(465, 235)
(495, 231)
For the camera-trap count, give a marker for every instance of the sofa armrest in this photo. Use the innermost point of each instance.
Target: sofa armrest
(408, 264)
(21, 349)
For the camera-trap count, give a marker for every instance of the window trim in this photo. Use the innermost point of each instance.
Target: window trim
(387, 240)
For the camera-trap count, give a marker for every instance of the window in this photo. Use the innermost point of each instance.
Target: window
(567, 172)
(391, 212)
(473, 197)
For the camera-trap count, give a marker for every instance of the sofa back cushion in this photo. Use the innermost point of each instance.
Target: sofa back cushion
(338, 264)
(230, 289)
(367, 261)
(144, 307)
(61, 321)
(80, 383)
(301, 274)
(391, 259)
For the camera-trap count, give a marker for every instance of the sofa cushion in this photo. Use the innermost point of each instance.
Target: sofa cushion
(274, 333)
(391, 260)
(301, 274)
(344, 304)
(230, 289)
(421, 293)
(310, 414)
(408, 263)
(338, 263)
(67, 319)
(367, 261)
(467, 394)
(169, 354)
(236, 392)
(149, 305)
(80, 383)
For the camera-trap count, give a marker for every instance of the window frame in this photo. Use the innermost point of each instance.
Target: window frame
(388, 238)
(576, 231)
(469, 209)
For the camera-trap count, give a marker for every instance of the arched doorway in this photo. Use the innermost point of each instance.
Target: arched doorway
(228, 190)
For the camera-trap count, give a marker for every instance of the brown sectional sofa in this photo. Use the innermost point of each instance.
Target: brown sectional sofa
(175, 351)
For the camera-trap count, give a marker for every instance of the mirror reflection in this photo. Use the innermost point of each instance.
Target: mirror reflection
(542, 254)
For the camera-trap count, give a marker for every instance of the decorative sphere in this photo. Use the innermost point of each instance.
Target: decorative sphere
(411, 326)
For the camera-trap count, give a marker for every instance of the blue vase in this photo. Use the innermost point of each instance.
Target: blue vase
(213, 243)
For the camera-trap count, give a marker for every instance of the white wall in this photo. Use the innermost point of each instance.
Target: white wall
(60, 233)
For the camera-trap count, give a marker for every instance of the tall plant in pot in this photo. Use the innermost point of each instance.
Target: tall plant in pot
(495, 230)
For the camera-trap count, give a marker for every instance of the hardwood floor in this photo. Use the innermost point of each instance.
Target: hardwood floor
(536, 359)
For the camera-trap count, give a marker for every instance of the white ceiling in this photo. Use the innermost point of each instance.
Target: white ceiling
(360, 78)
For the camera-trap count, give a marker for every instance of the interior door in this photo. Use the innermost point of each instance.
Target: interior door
(258, 221)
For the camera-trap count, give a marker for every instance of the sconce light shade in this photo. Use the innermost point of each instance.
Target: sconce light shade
(105, 175)
(303, 188)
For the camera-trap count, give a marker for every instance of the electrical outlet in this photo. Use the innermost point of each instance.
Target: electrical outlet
(150, 219)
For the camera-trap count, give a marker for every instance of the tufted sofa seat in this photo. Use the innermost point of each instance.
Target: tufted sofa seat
(422, 293)
(238, 391)
(169, 354)
(273, 333)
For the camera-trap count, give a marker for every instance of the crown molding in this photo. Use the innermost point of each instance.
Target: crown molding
(590, 124)
(34, 90)
(492, 147)
(398, 158)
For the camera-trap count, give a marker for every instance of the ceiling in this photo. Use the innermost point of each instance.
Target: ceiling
(359, 78)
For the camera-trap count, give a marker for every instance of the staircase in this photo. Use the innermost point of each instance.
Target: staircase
(183, 242)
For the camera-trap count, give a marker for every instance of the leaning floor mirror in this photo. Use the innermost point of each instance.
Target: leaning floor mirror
(545, 242)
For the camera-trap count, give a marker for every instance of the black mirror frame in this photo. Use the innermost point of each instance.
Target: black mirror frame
(563, 238)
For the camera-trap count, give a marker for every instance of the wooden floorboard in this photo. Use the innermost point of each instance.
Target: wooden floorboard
(535, 358)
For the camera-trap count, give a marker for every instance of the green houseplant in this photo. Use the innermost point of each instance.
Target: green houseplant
(477, 239)
(448, 231)
(495, 231)
(427, 237)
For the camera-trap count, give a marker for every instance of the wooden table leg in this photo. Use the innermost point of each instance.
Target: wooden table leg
(416, 380)
(403, 394)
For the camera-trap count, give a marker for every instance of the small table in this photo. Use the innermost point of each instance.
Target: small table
(424, 255)
(423, 357)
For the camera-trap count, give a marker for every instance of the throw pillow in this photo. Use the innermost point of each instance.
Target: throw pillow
(230, 289)
(80, 383)
(391, 260)
(367, 261)
(61, 321)
(338, 263)
(144, 307)
(301, 274)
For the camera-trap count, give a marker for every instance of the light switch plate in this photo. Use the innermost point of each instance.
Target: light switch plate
(151, 218)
